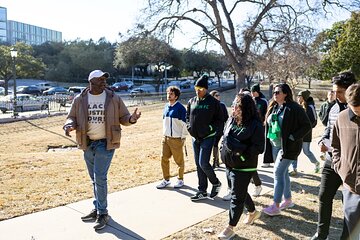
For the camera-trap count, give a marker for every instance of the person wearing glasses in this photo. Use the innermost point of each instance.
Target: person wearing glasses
(243, 141)
(204, 118)
(330, 180)
(96, 114)
(286, 125)
(346, 158)
(216, 162)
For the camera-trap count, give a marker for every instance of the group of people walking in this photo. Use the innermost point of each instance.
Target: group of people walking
(281, 129)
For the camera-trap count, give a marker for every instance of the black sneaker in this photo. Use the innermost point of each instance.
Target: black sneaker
(90, 217)
(215, 190)
(199, 196)
(101, 221)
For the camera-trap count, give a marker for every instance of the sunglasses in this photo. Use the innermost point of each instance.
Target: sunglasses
(217, 95)
(199, 88)
(276, 92)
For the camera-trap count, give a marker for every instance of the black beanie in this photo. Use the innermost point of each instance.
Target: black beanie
(305, 94)
(255, 88)
(202, 82)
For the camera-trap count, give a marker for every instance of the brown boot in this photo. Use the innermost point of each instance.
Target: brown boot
(216, 157)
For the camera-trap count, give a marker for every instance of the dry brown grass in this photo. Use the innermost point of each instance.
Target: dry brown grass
(33, 179)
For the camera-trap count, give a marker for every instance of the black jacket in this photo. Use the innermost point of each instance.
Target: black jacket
(261, 105)
(295, 125)
(311, 113)
(225, 117)
(242, 145)
(204, 117)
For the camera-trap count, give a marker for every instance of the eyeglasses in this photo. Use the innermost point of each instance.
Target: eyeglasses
(199, 88)
(217, 95)
(276, 92)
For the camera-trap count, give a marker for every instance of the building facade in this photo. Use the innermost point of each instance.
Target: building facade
(22, 32)
(30, 34)
(3, 21)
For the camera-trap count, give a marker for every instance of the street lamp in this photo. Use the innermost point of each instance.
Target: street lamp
(13, 53)
(163, 68)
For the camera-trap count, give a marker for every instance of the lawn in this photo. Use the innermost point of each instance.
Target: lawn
(34, 179)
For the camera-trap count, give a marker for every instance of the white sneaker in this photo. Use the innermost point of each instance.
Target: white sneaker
(179, 184)
(226, 234)
(163, 184)
(227, 197)
(251, 217)
(257, 191)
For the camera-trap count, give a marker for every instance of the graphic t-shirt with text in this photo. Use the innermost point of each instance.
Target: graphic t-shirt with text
(96, 119)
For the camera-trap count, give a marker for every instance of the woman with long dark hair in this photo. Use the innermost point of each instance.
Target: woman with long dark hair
(286, 125)
(307, 102)
(243, 141)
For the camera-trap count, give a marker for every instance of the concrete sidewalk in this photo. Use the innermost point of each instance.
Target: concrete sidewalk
(143, 212)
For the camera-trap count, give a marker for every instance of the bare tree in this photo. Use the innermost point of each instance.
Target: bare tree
(232, 24)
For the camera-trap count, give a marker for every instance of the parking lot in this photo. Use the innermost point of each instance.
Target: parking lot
(59, 103)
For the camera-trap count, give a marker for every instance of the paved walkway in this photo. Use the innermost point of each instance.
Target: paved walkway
(142, 212)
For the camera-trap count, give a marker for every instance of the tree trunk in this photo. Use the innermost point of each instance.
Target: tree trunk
(240, 72)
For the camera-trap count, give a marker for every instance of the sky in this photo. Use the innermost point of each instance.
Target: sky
(76, 18)
(91, 19)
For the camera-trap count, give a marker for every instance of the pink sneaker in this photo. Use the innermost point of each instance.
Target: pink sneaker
(272, 210)
(287, 203)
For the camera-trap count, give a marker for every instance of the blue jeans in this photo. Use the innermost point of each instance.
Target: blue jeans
(98, 161)
(308, 153)
(202, 152)
(282, 186)
(351, 202)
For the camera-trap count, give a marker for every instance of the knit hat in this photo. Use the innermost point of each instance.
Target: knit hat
(255, 88)
(202, 82)
(305, 94)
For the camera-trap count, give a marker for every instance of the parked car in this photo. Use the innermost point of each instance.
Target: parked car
(138, 92)
(53, 90)
(43, 86)
(185, 84)
(75, 89)
(175, 83)
(130, 84)
(180, 84)
(24, 102)
(118, 86)
(29, 90)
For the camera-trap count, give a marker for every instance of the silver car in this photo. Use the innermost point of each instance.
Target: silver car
(24, 102)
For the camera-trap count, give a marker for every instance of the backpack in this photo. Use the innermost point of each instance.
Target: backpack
(313, 124)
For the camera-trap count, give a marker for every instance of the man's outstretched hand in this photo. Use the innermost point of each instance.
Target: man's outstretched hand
(135, 116)
(67, 130)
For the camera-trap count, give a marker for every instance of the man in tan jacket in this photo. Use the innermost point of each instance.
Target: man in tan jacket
(96, 114)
